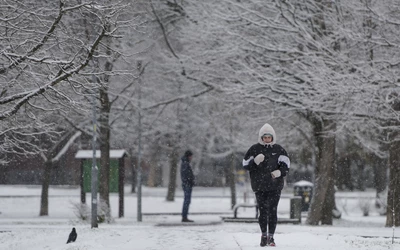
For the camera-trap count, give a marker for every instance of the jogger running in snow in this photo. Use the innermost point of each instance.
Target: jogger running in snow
(267, 163)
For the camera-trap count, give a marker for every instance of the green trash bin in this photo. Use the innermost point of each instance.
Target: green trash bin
(87, 175)
(304, 189)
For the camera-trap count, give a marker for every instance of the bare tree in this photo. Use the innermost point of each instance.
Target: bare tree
(302, 57)
(39, 57)
(51, 158)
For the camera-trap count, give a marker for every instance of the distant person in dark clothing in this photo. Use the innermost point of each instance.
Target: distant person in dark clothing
(187, 183)
(267, 163)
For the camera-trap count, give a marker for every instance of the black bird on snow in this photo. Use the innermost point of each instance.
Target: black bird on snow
(72, 236)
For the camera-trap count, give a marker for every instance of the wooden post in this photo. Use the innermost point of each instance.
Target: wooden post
(121, 177)
(81, 179)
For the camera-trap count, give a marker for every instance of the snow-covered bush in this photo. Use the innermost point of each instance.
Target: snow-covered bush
(81, 211)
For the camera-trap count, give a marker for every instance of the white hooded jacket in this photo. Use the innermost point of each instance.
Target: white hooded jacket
(275, 158)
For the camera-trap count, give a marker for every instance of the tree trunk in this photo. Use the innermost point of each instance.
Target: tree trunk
(44, 200)
(343, 176)
(104, 178)
(380, 173)
(133, 169)
(323, 201)
(361, 175)
(232, 179)
(393, 200)
(172, 174)
(81, 180)
(134, 174)
(152, 180)
(104, 122)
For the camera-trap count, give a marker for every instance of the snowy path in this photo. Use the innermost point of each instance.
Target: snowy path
(21, 228)
(218, 237)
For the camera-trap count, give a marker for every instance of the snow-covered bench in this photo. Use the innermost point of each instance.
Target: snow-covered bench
(295, 212)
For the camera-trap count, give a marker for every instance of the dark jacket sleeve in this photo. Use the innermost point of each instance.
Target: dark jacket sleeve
(283, 163)
(248, 160)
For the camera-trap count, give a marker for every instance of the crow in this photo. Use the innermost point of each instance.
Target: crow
(72, 236)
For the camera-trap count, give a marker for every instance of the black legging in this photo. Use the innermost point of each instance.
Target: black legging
(267, 204)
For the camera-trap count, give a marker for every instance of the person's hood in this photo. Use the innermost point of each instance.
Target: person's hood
(266, 129)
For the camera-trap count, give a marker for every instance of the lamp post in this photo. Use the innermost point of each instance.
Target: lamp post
(94, 163)
(139, 167)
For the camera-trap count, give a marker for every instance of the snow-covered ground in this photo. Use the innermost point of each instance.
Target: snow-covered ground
(22, 228)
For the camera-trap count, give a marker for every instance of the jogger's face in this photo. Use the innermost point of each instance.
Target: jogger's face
(267, 139)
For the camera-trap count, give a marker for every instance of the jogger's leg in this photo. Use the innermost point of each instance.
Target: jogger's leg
(273, 200)
(262, 206)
